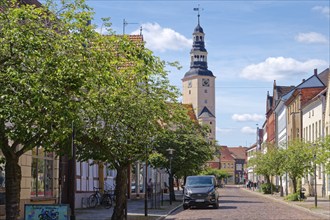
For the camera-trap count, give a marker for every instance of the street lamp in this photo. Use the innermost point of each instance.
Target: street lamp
(315, 189)
(146, 185)
(170, 152)
(72, 175)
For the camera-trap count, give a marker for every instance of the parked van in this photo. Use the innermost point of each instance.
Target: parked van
(201, 191)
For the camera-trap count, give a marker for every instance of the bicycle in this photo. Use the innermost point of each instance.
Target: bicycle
(98, 198)
(111, 190)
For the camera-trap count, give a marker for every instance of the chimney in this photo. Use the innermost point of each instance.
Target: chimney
(315, 72)
(303, 80)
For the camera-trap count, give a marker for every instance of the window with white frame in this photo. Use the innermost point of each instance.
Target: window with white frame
(42, 173)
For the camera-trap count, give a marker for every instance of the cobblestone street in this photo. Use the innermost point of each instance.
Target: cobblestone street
(236, 203)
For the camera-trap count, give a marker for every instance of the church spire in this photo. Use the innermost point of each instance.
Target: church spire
(198, 15)
(199, 82)
(198, 53)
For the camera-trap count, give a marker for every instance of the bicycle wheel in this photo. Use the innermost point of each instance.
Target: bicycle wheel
(92, 201)
(107, 201)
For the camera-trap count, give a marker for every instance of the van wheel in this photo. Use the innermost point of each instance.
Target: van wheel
(216, 206)
(185, 207)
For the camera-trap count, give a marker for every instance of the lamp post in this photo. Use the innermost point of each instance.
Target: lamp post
(146, 185)
(170, 152)
(315, 189)
(72, 176)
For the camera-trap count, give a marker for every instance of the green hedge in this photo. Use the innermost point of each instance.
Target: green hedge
(267, 188)
(292, 197)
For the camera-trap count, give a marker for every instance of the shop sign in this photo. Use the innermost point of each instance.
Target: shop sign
(46, 212)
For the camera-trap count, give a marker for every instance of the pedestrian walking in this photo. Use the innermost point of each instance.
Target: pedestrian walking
(149, 188)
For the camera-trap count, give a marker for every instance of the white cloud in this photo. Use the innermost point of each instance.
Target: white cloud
(223, 130)
(247, 117)
(323, 9)
(275, 68)
(101, 30)
(311, 37)
(161, 39)
(248, 130)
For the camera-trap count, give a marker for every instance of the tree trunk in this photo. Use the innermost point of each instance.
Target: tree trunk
(13, 187)
(120, 193)
(177, 183)
(281, 187)
(294, 183)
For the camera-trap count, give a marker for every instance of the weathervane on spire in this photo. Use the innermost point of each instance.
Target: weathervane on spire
(198, 9)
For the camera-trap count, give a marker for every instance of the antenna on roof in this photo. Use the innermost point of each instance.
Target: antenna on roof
(198, 9)
(125, 23)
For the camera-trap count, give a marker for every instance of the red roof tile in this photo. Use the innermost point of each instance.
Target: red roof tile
(239, 152)
(225, 154)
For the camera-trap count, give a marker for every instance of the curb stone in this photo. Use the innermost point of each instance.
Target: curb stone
(170, 212)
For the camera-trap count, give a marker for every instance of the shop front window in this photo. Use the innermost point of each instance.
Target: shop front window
(42, 173)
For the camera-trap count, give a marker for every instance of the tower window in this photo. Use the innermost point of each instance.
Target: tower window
(205, 101)
(205, 91)
(189, 92)
(210, 122)
(201, 38)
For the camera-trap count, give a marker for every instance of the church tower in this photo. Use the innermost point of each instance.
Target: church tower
(198, 83)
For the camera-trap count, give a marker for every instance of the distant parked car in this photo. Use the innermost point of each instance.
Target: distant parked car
(201, 191)
(133, 188)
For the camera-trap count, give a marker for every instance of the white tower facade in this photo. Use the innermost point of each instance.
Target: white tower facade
(199, 83)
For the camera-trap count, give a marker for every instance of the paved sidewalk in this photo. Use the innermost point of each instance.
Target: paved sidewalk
(323, 204)
(135, 210)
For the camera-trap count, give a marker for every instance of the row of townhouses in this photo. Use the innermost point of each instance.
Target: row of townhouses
(296, 112)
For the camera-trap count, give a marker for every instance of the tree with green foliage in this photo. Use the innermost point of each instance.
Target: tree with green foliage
(43, 66)
(323, 153)
(277, 159)
(191, 149)
(219, 174)
(125, 106)
(261, 165)
(297, 162)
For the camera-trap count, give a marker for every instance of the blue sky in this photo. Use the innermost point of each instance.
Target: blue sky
(250, 44)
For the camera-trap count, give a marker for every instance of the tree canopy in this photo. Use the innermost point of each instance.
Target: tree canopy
(298, 159)
(56, 71)
(191, 148)
(43, 67)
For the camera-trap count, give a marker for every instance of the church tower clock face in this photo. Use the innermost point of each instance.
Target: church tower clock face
(206, 82)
